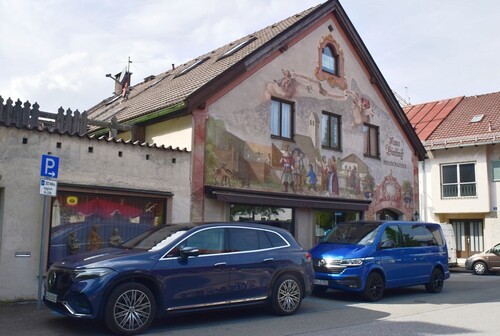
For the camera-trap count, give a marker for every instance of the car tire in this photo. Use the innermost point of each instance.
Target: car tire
(435, 285)
(319, 290)
(130, 309)
(374, 287)
(480, 268)
(287, 295)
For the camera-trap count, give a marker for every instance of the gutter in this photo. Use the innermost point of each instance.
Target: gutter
(149, 116)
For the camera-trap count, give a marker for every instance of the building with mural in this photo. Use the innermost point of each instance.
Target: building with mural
(289, 125)
(292, 125)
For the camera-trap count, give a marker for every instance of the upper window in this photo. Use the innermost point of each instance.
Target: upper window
(329, 60)
(282, 114)
(330, 130)
(371, 141)
(495, 165)
(330, 66)
(458, 180)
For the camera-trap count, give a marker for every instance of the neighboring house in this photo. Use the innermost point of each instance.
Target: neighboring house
(460, 179)
(295, 116)
(103, 185)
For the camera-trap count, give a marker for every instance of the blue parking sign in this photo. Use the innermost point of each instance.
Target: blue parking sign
(49, 166)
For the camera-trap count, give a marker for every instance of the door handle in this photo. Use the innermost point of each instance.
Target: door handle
(220, 264)
(268, 260)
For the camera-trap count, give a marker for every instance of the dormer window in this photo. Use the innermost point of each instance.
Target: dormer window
(329, 60)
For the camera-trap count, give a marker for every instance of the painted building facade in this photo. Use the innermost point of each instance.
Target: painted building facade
(295, 117)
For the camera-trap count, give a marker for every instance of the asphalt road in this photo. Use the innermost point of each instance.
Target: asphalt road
(467, 306)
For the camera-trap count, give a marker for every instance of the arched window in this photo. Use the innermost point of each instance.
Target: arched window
(329, 60)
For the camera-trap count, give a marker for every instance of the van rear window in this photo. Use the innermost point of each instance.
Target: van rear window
(421, 235)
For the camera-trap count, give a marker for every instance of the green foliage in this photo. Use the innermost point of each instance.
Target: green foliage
(250, 211)
(325, 219)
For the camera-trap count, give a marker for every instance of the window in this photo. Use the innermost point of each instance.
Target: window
(458, 180)
(330, 66)
(191, 67)
(209, 241)
(329, 60)
(495, 165)
(391, 237)
(330, 131)
(371, 141)
(237, 47)
(418, 235)
(83, 222)
(282, 119)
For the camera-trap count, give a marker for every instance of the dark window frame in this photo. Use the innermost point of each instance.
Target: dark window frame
(330, 144)
(291, 125)
(454, 186)
(334, 55)
(367, 142)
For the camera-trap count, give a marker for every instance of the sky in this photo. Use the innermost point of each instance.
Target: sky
(57, 52)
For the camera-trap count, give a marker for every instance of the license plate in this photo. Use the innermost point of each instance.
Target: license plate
(321, 282)
(51, 297)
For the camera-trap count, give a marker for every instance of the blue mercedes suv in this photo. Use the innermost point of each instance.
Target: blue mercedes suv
(178, 268)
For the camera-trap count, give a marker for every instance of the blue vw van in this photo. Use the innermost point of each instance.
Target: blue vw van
(369, 256)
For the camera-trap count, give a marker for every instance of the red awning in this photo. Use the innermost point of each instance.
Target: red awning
(105, 209)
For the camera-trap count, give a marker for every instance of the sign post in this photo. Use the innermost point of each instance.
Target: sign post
(49, 168)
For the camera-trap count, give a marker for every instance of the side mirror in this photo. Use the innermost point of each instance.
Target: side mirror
(189, 252)
(387, 244)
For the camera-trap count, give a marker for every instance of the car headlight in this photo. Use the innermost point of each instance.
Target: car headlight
(351, 262)
(90, 273)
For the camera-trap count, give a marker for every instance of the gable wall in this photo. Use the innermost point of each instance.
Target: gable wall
(238, 134)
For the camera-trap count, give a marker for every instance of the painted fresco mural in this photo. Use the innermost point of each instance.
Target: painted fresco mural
(240, 152)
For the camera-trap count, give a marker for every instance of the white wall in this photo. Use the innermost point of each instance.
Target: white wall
(21, 214)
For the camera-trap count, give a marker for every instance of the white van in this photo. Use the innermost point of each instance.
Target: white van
(449, 235)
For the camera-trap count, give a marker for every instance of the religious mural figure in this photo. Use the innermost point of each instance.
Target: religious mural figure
(362, 111)
(312, 178)
(286, 162)
(298, 170)
(355, 181)
(324, 175)
(333, 179)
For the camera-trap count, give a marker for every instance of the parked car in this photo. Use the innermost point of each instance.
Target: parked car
(179, 268)
(369, 256)
(484, 262)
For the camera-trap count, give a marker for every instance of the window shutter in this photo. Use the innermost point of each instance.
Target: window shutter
(496, 170)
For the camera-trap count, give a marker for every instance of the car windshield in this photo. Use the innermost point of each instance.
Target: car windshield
(157, 238)
(354, 233)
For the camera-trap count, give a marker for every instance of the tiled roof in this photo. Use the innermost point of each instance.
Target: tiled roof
(172, 88)
(425, 118)
(457, 122)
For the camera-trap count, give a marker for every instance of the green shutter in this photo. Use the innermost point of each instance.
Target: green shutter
(496, 170)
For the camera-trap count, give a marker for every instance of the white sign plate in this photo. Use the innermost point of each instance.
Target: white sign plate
(48, 187)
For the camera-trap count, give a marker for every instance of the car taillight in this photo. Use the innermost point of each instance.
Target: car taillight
(308, 257)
